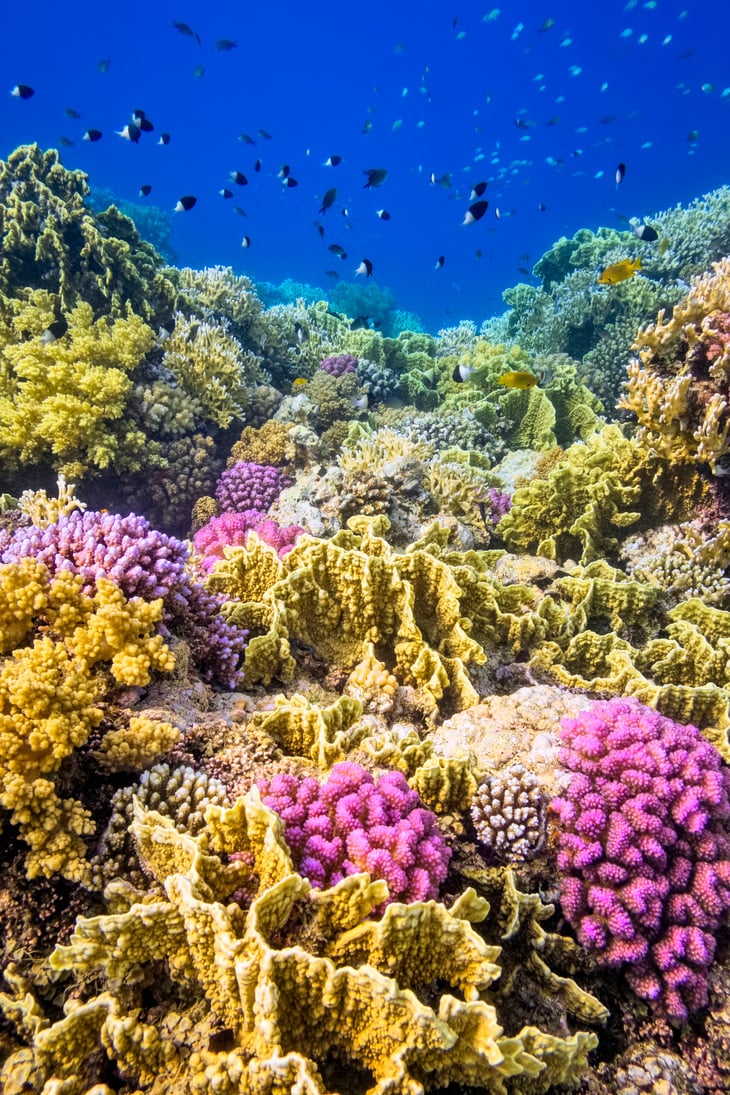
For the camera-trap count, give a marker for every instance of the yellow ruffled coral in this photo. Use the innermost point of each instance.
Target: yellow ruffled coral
(65, 402)
(305, 984)
(322, 734)
(49, 694)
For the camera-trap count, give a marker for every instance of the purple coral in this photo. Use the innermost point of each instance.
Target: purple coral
(644, 848)
(231, 530)
(339, 364)
(350, 824)
(143, 563)
(499, 502)
(247, 486)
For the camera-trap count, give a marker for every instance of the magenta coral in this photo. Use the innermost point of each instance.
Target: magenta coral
(231, 530)
(144, 563)
(339, 364)
(247, 486)
(350, 824)
(644, 848)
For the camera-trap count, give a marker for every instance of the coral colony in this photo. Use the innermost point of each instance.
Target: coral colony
(284, 654)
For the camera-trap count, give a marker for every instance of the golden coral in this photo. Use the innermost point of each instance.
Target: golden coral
(137, 746)
(305, 984)
(49, 692)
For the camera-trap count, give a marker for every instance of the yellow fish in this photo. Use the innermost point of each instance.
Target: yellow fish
(619, 271)
(300, 382)
(517, 379)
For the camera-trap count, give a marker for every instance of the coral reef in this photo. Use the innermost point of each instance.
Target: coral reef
(249, 486)
(508, 812)
(644, 848)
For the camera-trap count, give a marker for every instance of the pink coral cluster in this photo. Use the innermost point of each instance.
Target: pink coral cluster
(644, 848)
(231, 530)
(247, 486)
(350, 824)
(339, 364)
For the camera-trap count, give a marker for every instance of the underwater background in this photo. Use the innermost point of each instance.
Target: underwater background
(365, 550)
(441, 87)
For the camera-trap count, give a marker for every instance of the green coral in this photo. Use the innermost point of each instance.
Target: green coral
(49, 239)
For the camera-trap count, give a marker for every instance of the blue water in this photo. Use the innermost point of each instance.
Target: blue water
(313, 74)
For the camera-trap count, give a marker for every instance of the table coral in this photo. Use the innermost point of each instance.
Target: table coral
(643, 848)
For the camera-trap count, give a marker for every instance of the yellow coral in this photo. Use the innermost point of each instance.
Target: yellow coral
(322, 734)
(65, 401)
(137, 746)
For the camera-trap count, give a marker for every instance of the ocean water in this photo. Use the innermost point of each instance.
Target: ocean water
(541, 101)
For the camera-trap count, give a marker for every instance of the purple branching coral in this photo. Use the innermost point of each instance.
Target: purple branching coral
(644, 848)
(350, 824)
(339, 364)
(231, 530)
(247, 486)
(143, 563)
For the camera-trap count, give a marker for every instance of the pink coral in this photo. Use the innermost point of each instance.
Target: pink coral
(644, 848)
(350, 824)
(231, 530)
(247, 486)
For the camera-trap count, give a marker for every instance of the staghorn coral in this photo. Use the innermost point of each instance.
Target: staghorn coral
(643, 848)
(66, 402)
(341, 998)
(49, 239)
(49, 695)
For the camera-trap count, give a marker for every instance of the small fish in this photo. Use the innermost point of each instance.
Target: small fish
(246, 138)
(475, 212)
(183, 28)
(71, 113)
(477, 190)
(140, 119)
(462, 372)
(359, 402)
(693, 136)
(241, 212)
(383, 214)
(299, 382)
(497, 212)
(479, 253)
(225, 45)
(376, 176)
(620, 173)
(365, 267)
(646, 232)
(517, 378)
(238, 178)
(226, 193)
(301, 333)
(185, 204)
(264, 135)
(337, 250)
(246, 241)
(439, 262)
(332, 161)
(145, 190)
(546, 25)
(290, 181)
(199, 71)
(285, 169)
(332, 274)
(54, 330)
(328, 200)
(92, 135)
(257, 165)
(619, 271)
(23, 91)
(164, 138)
(367, 126)
(105, 64)
(131, 132)
(443, 181)
(541, 207)
(66, 142)
(320, 229)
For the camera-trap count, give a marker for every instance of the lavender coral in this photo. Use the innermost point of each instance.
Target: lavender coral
(350, 824)
(339, 364)
(142, 563)
(247, 486)
(232, 529)
(644, 848)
